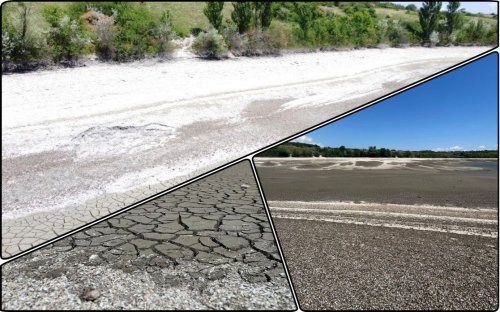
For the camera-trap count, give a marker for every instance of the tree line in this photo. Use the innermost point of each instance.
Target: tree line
(294, 149)
(314, 24)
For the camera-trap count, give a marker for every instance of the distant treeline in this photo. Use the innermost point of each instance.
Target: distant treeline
(310, 150)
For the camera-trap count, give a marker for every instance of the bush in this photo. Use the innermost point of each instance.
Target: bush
(195, 31)
(210, 45)
(103, 28)
(135, 35)
(256, 42)
(66, 36)
(164, 34)
(364, 28)
(136, 32)
(397, 35)
(356, 29)
(472, 32)
(19, 42)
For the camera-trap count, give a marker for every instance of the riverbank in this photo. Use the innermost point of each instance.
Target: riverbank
(184, 51)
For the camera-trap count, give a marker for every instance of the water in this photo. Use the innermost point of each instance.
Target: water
(487, 165)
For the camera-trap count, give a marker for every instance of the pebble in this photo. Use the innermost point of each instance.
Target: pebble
(90, 295)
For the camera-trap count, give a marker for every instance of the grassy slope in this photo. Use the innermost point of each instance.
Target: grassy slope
(187, 15)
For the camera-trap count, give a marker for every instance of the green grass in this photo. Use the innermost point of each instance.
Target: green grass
(187, 15)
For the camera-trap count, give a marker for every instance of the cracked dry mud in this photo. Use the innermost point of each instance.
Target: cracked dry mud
(208, 245)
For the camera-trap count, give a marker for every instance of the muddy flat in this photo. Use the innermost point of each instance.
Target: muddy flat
(80, 143)
(441, 182)
(387, 233)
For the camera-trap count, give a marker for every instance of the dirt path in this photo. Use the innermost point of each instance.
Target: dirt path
(80, 143)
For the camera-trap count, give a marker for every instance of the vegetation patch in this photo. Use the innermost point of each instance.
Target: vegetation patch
(39, 34)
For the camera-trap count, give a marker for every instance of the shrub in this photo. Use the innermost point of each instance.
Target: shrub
(262, 43)
(472, 32)
(397, 35)
(195, 31)
(364, 28)
(65, 37)
(164, 34)
(235, 42)
(135, 32)
(104, 33)
(355, 29)
(210, 45)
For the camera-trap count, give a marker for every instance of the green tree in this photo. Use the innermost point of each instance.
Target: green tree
(428, 17)
(65, 37)
(453, 17)
(364, 28)
(242, 15)
(263, 14)
(164, 32)
(18, 42)
(411, 7)
(305, 15)
(135, 32)
(213, 11)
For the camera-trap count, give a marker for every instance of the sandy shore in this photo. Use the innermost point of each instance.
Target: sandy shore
(80, 143)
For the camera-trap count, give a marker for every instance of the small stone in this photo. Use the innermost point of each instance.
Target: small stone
(94, 258)
(245, 186)
(90, 295)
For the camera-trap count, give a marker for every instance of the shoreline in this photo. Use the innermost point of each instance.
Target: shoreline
(91, 60)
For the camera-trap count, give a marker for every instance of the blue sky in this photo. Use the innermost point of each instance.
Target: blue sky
(456, 111)
(472, 7)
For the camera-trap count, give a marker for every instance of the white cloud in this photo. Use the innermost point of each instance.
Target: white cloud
(305, 139)
(449, 149)
(481, 147)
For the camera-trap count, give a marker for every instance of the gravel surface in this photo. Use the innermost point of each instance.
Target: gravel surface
(345, 266)
(399, 234)
(206, 246)
(78, 144)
